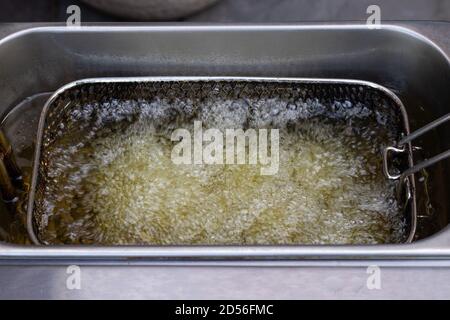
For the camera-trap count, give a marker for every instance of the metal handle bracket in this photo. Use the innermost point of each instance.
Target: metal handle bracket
(400, 148)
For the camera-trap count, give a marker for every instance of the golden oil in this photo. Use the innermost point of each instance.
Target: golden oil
(117, 184)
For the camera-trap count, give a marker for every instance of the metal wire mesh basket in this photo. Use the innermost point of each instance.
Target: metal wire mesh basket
(55, 117)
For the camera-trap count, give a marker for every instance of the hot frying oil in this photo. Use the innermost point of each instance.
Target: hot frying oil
(112, 179)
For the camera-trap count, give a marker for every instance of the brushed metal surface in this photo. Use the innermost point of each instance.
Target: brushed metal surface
(200, 282)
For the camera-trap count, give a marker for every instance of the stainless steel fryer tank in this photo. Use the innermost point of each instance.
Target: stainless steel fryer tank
(405, 62)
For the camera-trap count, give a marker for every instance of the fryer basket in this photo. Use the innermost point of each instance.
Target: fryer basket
(59, 107)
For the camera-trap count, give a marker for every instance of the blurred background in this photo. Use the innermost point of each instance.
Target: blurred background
(223, 10)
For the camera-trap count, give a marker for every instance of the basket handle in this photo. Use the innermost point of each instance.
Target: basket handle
(400, 148)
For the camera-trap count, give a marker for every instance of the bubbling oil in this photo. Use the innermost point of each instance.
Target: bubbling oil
(111, 179)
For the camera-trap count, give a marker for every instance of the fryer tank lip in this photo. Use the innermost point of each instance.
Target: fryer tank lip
(231, 27)
(299, 80)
